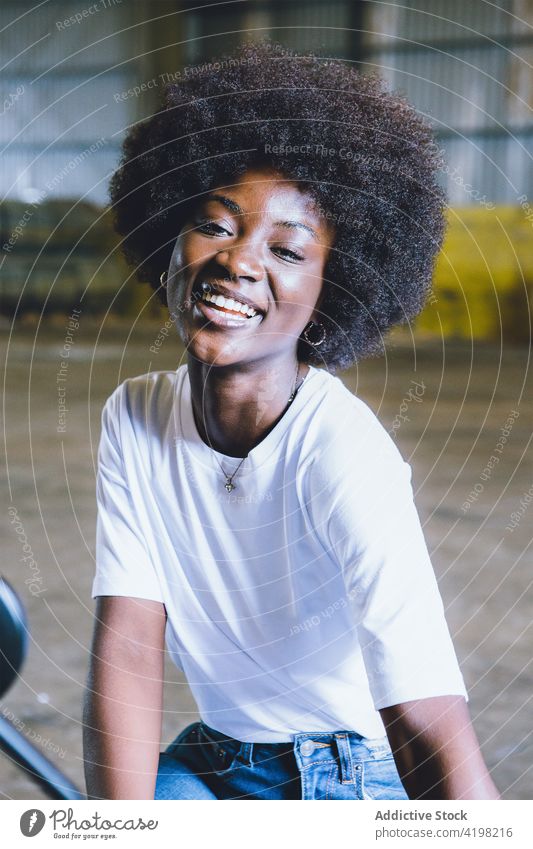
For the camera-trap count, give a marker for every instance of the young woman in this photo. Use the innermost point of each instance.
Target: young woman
(253, 514)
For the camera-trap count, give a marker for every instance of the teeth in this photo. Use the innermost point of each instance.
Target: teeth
(229, 304)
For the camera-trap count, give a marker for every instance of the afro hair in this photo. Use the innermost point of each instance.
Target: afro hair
(364, 155)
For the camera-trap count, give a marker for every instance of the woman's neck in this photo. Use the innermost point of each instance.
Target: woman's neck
(235, 407)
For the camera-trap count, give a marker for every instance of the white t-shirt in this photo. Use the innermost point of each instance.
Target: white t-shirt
(304, 600)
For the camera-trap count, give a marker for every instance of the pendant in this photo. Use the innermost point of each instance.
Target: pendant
(229, 486)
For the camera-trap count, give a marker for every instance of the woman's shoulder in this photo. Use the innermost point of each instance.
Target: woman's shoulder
(351, 455)
(349, 427)
(136, 394)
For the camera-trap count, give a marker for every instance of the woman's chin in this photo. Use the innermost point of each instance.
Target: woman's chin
(216, 352)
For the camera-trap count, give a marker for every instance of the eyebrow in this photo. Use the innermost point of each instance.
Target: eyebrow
(227, 202)
(297, 224)
(237, 210)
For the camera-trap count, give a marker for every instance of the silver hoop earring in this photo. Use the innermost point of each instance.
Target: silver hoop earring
(163, 281)
(315, 327)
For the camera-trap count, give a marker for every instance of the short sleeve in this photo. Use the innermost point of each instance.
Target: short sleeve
(364, 513)
(123, 563)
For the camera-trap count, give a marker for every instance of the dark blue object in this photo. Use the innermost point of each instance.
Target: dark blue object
(13, 646)
(13, 635)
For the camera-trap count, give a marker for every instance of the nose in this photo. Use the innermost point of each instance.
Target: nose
(241, 261)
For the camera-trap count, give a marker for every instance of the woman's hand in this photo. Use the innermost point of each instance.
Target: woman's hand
(123, 701)
(436, 750)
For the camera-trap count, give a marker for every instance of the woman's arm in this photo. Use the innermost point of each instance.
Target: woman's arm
(436, 750)
(123, 700)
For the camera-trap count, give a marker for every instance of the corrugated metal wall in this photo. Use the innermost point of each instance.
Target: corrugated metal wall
(61, 137)
(468, 66)
(331, 28)
(465, 64)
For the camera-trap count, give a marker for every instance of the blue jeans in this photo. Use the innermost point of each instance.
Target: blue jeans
(202, 763)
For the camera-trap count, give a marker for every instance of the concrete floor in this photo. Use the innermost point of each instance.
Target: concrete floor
(449, 434)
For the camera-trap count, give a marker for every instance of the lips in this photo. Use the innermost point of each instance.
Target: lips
(223, 318)
(235, 301)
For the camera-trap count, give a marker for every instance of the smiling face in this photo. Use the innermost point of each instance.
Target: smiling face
(246, 272)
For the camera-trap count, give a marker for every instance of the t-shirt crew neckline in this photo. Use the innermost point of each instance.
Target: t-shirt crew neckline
(261, 452)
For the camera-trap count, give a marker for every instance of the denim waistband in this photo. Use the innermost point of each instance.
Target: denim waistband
(307, 746)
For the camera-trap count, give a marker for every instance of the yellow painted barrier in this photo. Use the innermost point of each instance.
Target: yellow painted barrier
(483, 281)
(482, 286)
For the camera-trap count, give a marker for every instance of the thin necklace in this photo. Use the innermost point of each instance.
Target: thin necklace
(229, 485)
